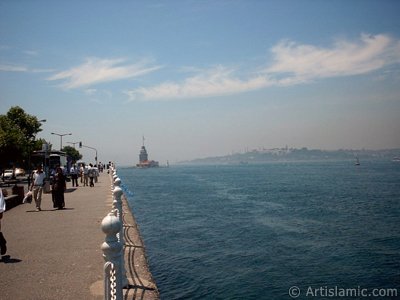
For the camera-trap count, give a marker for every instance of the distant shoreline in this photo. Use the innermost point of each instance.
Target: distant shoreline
(294, 154)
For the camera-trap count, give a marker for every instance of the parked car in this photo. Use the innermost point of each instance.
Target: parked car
(8, 174)
(19, 172)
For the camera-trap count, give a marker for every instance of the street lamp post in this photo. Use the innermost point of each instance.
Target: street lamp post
(61, 136)
(92, 149)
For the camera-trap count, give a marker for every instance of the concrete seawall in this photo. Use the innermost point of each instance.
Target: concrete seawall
(56, 254)
(142, 284)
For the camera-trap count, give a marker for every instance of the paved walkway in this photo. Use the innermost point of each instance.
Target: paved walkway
(55, 254)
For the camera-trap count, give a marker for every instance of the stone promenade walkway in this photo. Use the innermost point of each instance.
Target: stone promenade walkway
(55, 254)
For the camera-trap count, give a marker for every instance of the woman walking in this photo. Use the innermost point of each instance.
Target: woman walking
(59, 187)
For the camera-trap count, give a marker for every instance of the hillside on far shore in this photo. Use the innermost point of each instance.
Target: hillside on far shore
(303, 154)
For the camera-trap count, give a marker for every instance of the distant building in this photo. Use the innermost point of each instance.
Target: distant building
(144, 161)
(143, 156)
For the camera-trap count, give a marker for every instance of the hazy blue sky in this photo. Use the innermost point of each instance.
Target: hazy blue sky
(204, 78)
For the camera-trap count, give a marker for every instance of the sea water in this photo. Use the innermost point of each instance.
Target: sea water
(257, 231)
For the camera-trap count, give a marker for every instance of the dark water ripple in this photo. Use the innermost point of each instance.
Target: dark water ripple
(253, 231)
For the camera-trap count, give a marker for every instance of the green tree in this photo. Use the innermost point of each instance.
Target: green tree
(38, 144)
(17, 137)
(73, 153)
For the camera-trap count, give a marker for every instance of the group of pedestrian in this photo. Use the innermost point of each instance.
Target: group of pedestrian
(58, 187)
(87, 173)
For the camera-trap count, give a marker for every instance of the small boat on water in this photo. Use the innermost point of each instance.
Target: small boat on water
(357, 163)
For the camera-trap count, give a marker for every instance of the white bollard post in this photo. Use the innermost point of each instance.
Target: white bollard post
(111, 247)
(117, 182)
(115, 176)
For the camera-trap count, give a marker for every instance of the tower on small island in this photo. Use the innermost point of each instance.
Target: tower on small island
(144, 161)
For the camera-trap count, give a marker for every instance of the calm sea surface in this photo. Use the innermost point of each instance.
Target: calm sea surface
(254, 231)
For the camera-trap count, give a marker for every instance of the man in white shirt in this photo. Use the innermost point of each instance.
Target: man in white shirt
(74, 175)
(37, 186)
(85, 175)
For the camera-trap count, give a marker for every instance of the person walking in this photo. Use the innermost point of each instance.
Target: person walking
(85, 175)
(96, 174)
(92, 174)
(3, 242)
(74, 175)
(81, 168)
(37, 186)
(59, 187)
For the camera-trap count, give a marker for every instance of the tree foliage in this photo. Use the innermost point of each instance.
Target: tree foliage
(72, 152)
(17, 137)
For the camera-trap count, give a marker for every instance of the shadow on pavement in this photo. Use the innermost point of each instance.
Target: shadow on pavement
(43, 210)
(8, 260)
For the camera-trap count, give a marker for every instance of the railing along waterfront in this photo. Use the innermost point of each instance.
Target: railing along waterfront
(113, 247)
(119, 245)
(112, 252)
